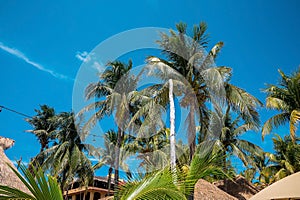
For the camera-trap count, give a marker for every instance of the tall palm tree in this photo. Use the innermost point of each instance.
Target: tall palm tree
(284, 98)
(67, 158)
(210, 83)
(112, 97)
(183, 54)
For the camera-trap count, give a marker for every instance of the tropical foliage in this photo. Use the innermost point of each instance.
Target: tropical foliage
(187, 56)
(44, 125)
(65, 157)
(112, 98)
(284, 98)
(40, 186)
(218, 114)
(230, 142)
(286, 158)
(160, 184)
(106, 155)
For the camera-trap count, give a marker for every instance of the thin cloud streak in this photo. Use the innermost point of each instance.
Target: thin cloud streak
(22, 56)
(83, 56)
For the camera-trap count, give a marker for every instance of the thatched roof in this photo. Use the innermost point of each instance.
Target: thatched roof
(286, 188)
(239, 187)
(7, 176)
(207, 191)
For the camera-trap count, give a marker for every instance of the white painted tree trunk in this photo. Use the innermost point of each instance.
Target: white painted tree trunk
(172, 130)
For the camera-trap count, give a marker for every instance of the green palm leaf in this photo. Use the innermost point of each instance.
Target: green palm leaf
(284, 98)
(40, 186)
(274, 121)
(153, 187)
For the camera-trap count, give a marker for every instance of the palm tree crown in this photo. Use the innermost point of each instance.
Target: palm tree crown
(284, 98)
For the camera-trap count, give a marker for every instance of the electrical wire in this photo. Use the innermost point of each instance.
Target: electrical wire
(11, 110)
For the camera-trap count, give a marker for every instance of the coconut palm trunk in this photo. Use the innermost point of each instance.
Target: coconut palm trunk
(192, 132)
(172, 130)
(109, 180)
(117, 159)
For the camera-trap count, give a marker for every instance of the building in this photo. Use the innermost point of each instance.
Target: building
(99, 190)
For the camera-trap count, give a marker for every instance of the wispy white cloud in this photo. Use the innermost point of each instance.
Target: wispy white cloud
(87, 57)
(83, 56)
(22, 56)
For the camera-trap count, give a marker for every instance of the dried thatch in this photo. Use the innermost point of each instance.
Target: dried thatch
(286, 188)
(7, 176)
(239, 187)
(207, 191)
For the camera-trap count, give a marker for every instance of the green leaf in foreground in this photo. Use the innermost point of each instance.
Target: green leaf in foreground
(40, 186)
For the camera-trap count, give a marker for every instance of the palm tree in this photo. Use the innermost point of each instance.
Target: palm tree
(67, 159)
(111, 97)
(183, 54)
(286, 159)
(229, 141)
(209, 83)
(284, 98)
(275, 166)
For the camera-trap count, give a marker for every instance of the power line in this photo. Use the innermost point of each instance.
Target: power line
(11, 110)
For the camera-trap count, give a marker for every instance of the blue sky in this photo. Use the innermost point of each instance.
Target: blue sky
(39, 41)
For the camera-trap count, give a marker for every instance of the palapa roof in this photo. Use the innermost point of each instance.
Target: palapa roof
(207, 191)
(239, 187)
(286, 188)
(7, 176)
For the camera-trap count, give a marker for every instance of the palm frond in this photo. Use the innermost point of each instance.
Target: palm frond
(156, 186)
(276, 103)
(41, 187)
(294, 119)
(274, 121)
